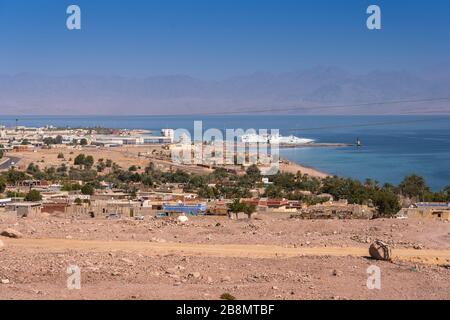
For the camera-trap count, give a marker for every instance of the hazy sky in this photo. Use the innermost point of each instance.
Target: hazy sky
(219, 38)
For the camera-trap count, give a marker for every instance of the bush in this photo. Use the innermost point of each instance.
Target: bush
(79, 160)
(60, 155)
(227, 296)
(2, 185)
(33, 196)
(88, 190)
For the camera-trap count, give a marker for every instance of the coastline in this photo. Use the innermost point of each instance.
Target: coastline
(293, 167)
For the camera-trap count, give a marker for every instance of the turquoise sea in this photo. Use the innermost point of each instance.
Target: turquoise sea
(393, 146)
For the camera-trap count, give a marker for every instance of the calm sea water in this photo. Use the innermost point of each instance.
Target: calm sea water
(393, 146)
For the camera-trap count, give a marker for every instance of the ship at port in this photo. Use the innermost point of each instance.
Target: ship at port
(275, 139)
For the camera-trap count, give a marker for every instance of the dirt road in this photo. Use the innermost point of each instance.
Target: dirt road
(436, 257)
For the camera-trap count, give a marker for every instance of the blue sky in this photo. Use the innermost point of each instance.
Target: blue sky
(214, 39)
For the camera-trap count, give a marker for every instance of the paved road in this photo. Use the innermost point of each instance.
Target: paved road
(219, 250)
(12, 161)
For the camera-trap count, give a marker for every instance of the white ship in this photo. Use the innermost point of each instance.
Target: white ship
(274, 139)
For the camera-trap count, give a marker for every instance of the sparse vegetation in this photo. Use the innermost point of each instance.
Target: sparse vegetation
(227, 296)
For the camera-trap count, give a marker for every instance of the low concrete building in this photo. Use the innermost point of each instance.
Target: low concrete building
(25, 209)
(427, 210)
(336, 211)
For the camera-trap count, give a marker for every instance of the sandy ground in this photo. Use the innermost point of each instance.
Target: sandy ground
(128, 156)
(293, 167)
(123, 156)
(265, 258)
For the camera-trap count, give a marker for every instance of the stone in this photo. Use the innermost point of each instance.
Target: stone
(195, 275)
(127, 261)
(337, 273)
(379, 250)
(11, 233)
(182, 219)
(5, 281)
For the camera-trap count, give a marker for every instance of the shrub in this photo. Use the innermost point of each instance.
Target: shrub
(33, 196)
(227, 296)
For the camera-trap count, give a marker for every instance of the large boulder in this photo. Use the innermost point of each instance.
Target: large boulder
(380, 251)
(11, 233)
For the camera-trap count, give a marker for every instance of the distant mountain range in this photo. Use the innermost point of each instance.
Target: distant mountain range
(310, 91)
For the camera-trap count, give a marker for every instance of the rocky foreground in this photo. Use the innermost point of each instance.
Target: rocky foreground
(263, 258)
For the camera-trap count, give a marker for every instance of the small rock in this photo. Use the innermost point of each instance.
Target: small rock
(226, 279)
(11, 233)
(127, 261)
(337, 273)
(182, 219)
(195, 275)
(5, 281)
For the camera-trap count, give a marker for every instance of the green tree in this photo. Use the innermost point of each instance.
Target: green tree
(2, 185)
(83, 142)
(58, 139)
(235, 207)
(88, 189)
(33, 196)
(386, 202)
(48, 141)
(33, 169)
(274, 192)
(249, 210)
(253, 173)
(89, 162)
(13, 176)
(79, 160)
(414, 186)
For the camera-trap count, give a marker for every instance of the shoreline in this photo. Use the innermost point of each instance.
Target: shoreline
(293, 167)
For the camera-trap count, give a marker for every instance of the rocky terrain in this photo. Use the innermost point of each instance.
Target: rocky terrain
(264, 258)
